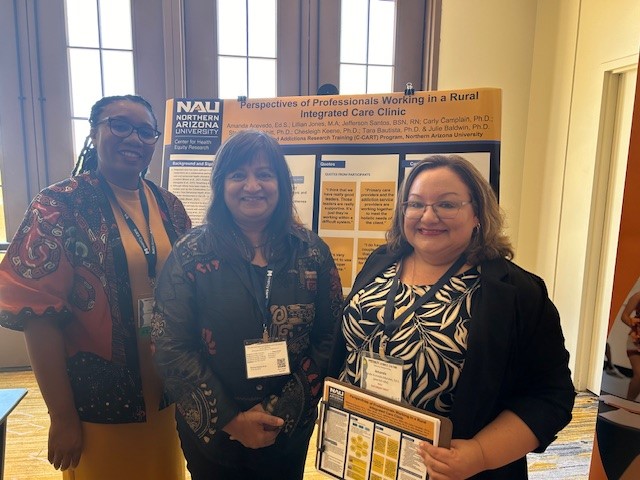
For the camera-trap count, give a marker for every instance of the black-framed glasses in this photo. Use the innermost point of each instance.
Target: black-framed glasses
(444, 209)
(121, 128)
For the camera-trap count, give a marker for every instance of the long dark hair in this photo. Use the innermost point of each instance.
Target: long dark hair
(88, 158)
(488, 241)
(240, 149)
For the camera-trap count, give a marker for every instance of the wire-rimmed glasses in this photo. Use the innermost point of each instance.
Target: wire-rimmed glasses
(444, 209)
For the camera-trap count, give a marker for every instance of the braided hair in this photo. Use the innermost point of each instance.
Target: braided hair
(88, 158)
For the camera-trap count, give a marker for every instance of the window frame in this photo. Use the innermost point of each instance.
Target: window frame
(174, 56)
(308, 42)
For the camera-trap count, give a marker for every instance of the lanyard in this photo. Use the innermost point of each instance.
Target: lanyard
(267, 298)
(264, 306)
(391, 324)
(150, 252)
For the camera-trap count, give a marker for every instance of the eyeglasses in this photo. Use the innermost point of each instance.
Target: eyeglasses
(444, 210)
(122, 128)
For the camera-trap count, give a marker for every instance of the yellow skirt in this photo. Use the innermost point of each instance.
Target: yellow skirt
(131, 451)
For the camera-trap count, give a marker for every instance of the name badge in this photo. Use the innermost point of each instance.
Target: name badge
(145, 314)
(266, 359)
(381, 376)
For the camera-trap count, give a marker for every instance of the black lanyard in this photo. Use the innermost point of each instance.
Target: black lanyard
(150, 252)
(264, 306)
(391, 324)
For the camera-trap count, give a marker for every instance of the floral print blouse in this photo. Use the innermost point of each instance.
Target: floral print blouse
(431, 343)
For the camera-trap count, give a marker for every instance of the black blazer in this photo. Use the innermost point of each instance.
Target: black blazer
(516, 359)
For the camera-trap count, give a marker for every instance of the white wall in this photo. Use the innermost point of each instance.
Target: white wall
(549, 57)
(490, 44)
(13, 350)
(607, 31)
(547, 132)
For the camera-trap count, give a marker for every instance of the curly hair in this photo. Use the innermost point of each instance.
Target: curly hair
(488, 240)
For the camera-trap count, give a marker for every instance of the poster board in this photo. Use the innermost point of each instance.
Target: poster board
(364, 436)
(348, 154)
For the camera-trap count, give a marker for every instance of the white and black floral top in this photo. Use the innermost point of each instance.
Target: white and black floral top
(432, 342)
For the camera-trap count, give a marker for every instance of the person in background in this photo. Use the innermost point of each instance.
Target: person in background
(609, 368)
(631, 317)
(251, 284)
(78, 279)
(472, 336)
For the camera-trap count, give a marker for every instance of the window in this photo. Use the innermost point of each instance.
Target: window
(247, 48)
(100, 52)
(268, 48)
(367, 39)
(59, 56)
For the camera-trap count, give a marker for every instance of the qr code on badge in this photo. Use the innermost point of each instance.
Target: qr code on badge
(281, 363)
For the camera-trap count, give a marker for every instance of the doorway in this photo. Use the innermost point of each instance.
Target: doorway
(606, 208)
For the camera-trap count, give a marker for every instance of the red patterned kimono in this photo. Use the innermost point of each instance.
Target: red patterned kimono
(67, 262)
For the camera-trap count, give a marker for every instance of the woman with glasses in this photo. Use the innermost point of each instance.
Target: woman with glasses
(78, 278)
(457, 328)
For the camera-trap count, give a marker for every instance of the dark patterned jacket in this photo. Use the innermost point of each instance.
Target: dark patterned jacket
(206, 307)
(516, 359)
(67, 263)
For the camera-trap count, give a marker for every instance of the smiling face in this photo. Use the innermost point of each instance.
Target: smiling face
(251, 193)
(438, 241)
(121, 160)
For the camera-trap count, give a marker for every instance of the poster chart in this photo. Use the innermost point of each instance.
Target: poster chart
(357, 197)
(347, 154)
(363, 436)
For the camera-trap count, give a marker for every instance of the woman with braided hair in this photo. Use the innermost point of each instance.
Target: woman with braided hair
(78, 279)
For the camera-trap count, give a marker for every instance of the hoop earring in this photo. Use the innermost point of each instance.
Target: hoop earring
(476, 229)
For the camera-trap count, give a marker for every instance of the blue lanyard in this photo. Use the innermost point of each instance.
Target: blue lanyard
(150, 251)
(392, 324)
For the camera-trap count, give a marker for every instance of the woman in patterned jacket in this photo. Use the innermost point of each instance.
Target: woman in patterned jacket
(461, 331)
(245, 314)
(78, 279)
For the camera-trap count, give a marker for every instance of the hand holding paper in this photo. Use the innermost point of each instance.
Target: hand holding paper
(463, 460)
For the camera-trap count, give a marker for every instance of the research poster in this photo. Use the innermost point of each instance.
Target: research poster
(616, 447)
(363, 436)
(348, 154)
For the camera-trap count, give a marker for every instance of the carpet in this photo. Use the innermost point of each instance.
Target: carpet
(570, 455)
(27, 428)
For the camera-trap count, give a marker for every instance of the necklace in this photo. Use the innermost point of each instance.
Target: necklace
(422, 279)
(247, 243)
(264, 243)
(413, 270)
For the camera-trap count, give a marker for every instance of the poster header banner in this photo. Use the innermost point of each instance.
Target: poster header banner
(199, 126)
(394, 118)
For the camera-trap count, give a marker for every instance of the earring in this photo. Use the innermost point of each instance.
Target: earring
(476, 228)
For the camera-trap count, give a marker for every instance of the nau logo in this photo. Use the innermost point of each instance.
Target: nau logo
(336, 392)
(191, 106)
